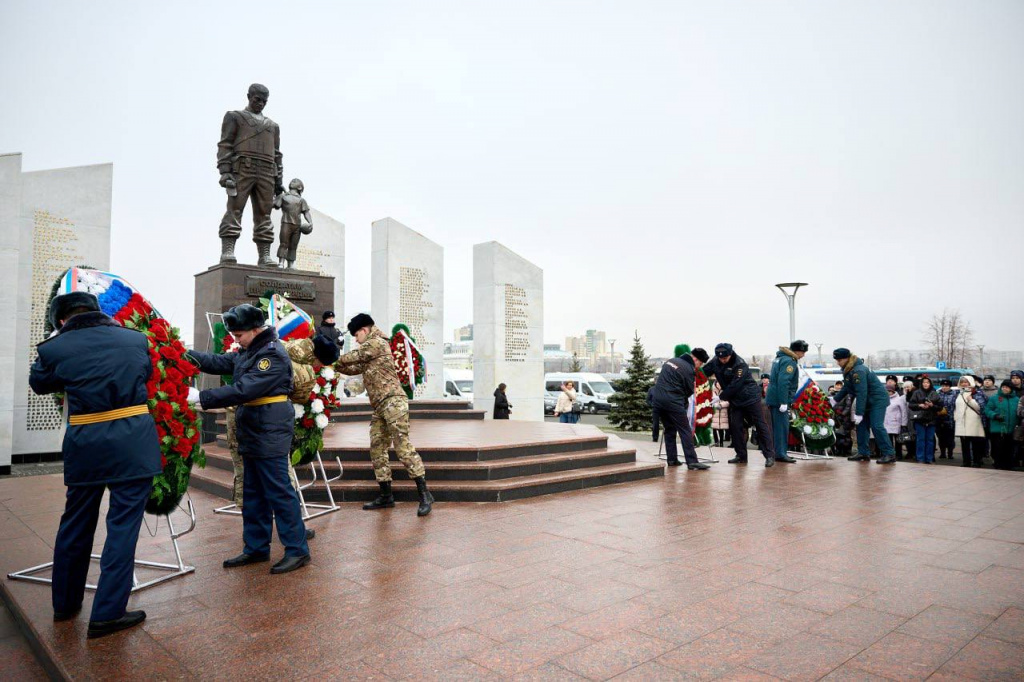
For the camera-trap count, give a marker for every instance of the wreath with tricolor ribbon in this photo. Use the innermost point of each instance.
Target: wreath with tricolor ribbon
(409, 362)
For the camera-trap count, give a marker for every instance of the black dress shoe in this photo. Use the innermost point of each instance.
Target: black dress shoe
(102, 628)
(738, 460)
(888, 459)
(58, 616)
(769, 462)
(289, 563)
(310, 534)
(674, 463)
(859, 458)
(786, 458)
(245, 560)
(699, 466)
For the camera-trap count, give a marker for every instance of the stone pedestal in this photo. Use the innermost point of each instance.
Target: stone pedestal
(407, 286)
(508, 331)
(223, 286)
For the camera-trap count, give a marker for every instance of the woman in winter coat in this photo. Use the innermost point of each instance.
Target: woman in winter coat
(1002, 417)
(945, 426)
(501, 406)
(897, 418)
(563, 407)
(967, 412)
(720, 418)
(924, 406)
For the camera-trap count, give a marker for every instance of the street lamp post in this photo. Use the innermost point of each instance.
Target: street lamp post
(819, 345)
(981, 361)
(791, 299)
(614, 368)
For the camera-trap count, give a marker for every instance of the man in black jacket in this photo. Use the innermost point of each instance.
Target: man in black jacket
(264, 423)
(744, 397)
(670, 400)
(110, 443)
(329, 329)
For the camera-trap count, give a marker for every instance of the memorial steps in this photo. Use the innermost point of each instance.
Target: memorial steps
(468, 460)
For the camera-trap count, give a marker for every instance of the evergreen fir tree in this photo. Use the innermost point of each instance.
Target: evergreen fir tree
(631, 411)
(576, 365)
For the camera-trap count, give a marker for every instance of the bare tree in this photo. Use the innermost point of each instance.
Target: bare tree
(949, 338)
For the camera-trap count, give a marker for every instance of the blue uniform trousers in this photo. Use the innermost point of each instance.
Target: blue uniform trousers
(269, 495)
(73, 547)
(780, 431)
(874, 423)
(677, 423)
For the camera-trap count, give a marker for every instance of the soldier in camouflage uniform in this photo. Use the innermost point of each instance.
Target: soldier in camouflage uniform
(390, 422)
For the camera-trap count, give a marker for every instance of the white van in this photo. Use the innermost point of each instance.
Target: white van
(458, 384)
(592, 390)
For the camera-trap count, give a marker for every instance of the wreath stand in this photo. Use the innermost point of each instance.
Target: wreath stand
(805, 455)
(321, 509)
(170, 571)
(710, 459)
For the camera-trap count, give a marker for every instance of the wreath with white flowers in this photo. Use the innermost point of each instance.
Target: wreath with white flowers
(313, 417)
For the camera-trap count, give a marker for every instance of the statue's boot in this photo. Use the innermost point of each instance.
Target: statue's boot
(227, 250)
(282, 263)
(265, 259)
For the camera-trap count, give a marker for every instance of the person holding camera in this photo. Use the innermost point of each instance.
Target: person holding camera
(564, 405)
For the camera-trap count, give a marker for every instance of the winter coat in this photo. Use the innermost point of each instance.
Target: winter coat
(919, 414)
(897, 416)
(1002, 413)
(566, 397)
(720, 419)
(967, 413)
(948, 401)
(738, 385)
(675, 385)
(863, 384)
(263, 370)
(501, 406)
(1018, 373)
(100, 366)
(332, 332)
(785, 379)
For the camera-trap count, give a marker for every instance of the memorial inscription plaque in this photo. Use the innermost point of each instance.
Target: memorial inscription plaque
(297, 289)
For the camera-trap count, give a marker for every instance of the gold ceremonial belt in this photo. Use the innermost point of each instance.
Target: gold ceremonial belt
(266, 401)
(109, 415)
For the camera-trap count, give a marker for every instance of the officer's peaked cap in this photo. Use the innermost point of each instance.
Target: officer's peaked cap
(798, 345)
(62, 305)
(358, 322)
(243, 318)
(723, 350)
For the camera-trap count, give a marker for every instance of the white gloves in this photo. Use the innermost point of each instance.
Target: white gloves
(857, 419)
(832, 402)
(783, 409)
(716, 401)
(193, 395)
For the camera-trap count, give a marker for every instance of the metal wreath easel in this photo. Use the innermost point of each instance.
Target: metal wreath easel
(711, 459)
(321, 509)
(170, 571)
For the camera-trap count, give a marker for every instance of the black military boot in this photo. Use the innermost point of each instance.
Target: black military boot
(385, 500)
(426, 499)
(227, 250)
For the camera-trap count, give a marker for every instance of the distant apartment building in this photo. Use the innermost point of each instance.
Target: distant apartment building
(463, 334)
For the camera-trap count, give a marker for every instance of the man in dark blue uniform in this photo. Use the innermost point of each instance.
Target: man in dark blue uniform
(782, 386)
(264, 422)
(870, 403)
(110, 442)
(744, 397)
(670, 399)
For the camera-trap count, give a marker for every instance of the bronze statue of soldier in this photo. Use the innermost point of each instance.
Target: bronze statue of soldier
(293, 209)
(249, 161)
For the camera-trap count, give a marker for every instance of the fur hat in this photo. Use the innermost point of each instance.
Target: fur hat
(723, 350)
(243, 318)
(358, 322)
(65, 303)
(799, 345)
(841, 354)
(325, 350)
(700, 354)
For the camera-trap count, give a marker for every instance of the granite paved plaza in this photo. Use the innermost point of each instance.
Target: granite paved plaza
(815, 570)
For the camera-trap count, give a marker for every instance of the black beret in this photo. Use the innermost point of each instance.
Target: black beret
(325, 350)
(841, 353)
(798, 345)
(65, 303)
(358, 322)
(243, 318)
(723, 350)
(700, 354)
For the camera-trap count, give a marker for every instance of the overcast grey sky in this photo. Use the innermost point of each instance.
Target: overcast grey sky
(665, 162)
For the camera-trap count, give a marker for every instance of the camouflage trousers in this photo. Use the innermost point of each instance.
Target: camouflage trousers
(236, 460)
(390, 424)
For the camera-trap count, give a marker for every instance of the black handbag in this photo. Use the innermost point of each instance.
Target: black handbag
(904, 436)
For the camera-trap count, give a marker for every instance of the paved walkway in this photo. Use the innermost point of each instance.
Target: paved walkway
(815, 570)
